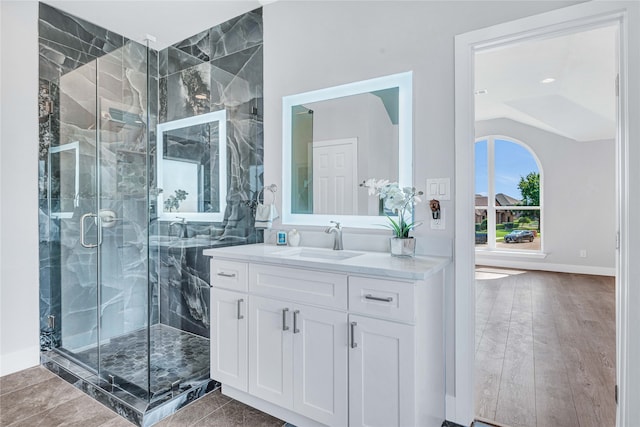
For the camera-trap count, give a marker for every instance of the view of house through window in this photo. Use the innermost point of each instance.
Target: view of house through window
(508, 188)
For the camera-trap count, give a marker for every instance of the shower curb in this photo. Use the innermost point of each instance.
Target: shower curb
(138, 411)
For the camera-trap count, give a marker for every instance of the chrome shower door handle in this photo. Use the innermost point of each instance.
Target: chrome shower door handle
(82, 231)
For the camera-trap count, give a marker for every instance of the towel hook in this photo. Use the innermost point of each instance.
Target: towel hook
(273, 188)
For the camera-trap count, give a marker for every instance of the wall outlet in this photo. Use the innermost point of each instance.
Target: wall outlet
(437, 224)
(583, 253)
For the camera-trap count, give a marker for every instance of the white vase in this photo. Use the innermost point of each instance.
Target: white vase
(403, 246)
(294, 237)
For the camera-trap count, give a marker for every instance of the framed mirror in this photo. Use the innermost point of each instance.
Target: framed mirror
(192, 167)
(334, 139)
(64, 174)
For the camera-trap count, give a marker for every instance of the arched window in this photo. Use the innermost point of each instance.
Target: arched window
(508, 205)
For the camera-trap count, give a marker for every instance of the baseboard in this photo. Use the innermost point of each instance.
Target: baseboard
(449, 407)
(544, 266)
(271, 409)
(19, 360)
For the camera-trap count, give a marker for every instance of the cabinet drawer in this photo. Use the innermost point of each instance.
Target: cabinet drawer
(382, 298)
(229, 274)
(313, 287)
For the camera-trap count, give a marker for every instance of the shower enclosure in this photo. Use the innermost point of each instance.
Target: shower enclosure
(146, 159)
(100, 170)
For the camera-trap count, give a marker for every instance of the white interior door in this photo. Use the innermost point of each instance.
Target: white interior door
(335, 173)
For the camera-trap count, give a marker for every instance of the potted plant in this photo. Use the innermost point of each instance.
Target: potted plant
(399, 201)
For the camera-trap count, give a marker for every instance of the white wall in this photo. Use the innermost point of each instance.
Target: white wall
(579, 199)
(19, 308)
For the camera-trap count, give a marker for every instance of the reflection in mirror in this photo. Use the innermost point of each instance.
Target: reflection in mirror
(64, 173)
(338, 137)
(192, 165)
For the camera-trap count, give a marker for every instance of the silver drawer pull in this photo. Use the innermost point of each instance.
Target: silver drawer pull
(240, 316)
(227, 274)
(353, 325)
(284, 319)
(295, 321)
(371, 297)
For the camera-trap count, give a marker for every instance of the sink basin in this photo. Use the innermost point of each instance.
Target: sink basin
(318, 253)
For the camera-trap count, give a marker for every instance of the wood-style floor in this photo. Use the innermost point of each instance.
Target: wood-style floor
(545, 348)
(37, 398)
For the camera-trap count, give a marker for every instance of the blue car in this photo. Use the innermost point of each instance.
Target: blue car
(519, 236)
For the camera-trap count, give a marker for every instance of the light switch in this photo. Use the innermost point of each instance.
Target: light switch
(433, 188)
(439, 188)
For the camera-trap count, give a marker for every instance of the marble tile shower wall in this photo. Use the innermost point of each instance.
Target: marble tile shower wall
(82, 66)
(220, 68)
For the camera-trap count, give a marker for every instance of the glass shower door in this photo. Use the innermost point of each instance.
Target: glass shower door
(122, 214)
(72, 195)
(99, 217)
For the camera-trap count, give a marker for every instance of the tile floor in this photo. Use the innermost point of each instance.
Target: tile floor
(176, 356)
(36, 397)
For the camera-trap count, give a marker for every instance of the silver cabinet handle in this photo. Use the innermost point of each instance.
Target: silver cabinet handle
(371, 297)
(240, 316)
(82, 231)
(226, 274)
(295, 321)
(354, 344)
(284, 319)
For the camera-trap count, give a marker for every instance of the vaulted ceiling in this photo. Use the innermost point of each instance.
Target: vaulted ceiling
(580, 103)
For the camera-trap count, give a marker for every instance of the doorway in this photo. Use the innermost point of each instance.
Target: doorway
(573, 19)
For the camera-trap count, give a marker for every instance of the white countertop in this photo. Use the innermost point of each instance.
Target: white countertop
(369, 263)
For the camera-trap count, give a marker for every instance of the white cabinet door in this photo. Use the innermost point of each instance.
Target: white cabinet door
(270, 351)
(320, 364)
(229, 338)
(381, 373)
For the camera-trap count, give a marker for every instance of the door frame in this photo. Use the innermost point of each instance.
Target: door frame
(460, 408)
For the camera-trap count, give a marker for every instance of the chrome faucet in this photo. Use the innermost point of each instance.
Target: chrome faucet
(337, 238)
(183, 227)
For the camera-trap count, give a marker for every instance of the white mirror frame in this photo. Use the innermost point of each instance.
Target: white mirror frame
(216, 116)
(404, 83)
(58, 149)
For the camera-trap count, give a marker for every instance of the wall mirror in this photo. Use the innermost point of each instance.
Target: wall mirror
(192, 167)
(334, 139)
(64, 173)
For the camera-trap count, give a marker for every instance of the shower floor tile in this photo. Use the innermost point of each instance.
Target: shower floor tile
(175, 355)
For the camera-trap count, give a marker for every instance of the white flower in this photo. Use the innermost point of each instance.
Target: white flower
(374, 186)
(394, 199)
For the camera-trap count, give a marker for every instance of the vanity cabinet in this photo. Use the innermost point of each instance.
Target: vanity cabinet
(381, 373)
(229, 327)
(229, 355)
(320, 347)
(297, 358)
